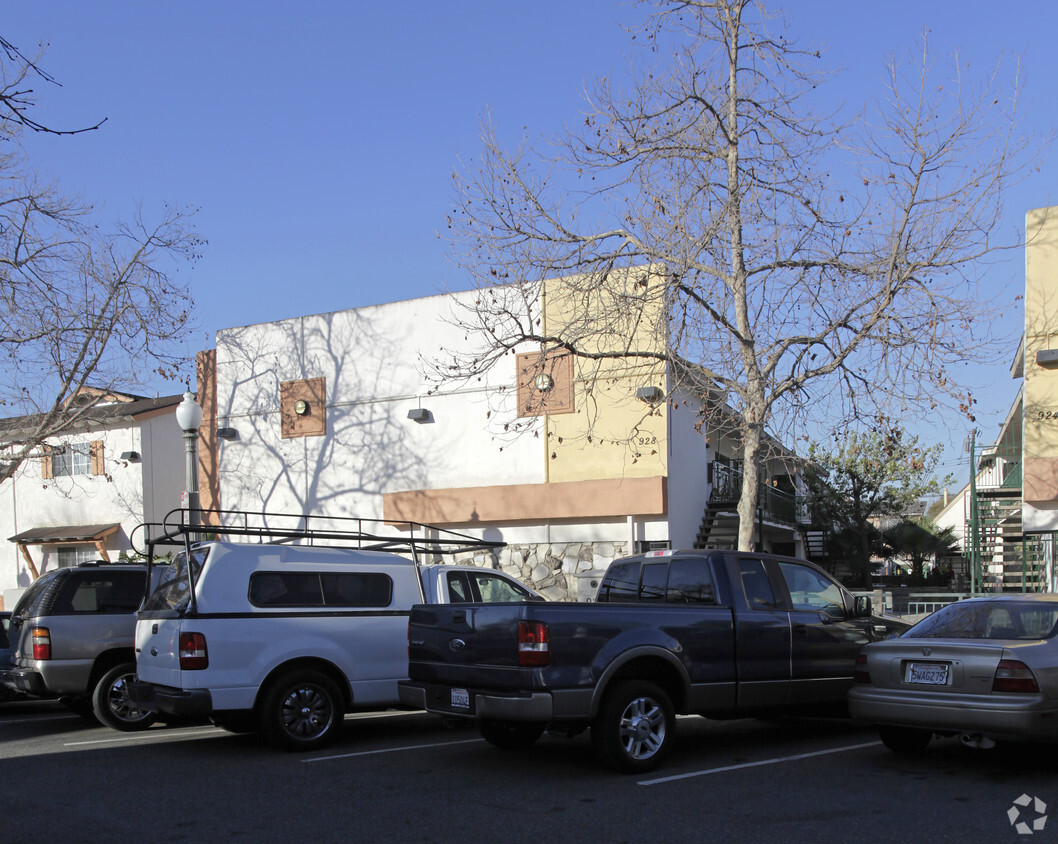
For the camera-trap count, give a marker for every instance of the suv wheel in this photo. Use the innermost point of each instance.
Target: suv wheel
(112, 704)
(301, 710)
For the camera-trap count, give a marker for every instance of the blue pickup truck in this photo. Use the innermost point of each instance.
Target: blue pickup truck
(723, 634)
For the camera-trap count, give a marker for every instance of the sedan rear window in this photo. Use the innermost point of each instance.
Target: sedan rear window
(989, 620)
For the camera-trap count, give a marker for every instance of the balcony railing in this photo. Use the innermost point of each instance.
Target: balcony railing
(776, 503)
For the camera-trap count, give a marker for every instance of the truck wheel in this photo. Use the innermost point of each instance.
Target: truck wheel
(511, 735)
(907, 741)
(634, 728)
(113, 706)
(301, 711)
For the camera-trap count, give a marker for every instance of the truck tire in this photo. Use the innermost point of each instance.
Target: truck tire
(907, 741)
(634, 729)
(511, 735)
(301, 710)
(113, 706)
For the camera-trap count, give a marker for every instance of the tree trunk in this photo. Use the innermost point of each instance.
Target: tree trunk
(747, 502)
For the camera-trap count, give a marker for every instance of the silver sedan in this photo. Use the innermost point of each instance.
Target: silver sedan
(985, 669)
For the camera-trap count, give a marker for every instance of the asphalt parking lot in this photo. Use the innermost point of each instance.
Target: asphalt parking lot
(399, 776)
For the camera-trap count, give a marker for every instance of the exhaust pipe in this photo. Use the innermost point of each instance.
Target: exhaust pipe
(977, 740)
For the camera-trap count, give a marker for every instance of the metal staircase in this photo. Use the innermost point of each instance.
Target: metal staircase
(1008, 562)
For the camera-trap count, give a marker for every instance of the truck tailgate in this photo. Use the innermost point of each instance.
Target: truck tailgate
(476, 642)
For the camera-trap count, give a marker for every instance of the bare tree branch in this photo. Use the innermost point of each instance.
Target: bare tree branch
(808, 269)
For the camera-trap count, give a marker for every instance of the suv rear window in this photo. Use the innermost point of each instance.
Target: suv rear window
(320, 589)
(28, 604)
(101, 592)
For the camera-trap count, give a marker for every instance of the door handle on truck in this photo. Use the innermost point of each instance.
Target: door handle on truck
(459, 616)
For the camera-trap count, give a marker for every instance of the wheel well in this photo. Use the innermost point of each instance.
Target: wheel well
(323, 666)
(107, 660)
(656, 670)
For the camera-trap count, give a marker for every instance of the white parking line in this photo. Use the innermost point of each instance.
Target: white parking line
(793, 758)
(181, 732)
(390, 750)
(397, 713)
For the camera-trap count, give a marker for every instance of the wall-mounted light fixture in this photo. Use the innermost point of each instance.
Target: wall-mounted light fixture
(544, 382)
(1047, 358)
(651, 394)
(227, 433)
(419, 414)
(130, 456)
(301, 407)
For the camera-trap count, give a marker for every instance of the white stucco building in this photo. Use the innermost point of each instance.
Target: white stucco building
(84, 495)
(332, 413)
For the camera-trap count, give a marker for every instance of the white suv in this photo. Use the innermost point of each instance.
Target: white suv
(286, 638)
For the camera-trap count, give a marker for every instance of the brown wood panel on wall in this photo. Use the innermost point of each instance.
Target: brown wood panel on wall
(208, 444)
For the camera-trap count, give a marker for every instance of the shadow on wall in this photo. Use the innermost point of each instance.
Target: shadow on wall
(368, 448)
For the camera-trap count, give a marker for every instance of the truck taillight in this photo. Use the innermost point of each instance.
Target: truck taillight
(861, 674)
(41, 643)
(193, 653)
(534, 644)
(1012, 675)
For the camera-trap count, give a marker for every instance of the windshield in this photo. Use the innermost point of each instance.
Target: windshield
(989, 620)
(173, 591)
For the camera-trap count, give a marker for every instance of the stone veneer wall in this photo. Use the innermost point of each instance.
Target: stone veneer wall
(549, 568)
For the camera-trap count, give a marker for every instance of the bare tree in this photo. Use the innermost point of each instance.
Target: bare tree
(79, 306)
(807, 268)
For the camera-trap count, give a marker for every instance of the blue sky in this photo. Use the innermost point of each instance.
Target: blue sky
(319, 138)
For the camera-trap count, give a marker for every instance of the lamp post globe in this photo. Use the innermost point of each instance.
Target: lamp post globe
(189, 414)
(189, 418)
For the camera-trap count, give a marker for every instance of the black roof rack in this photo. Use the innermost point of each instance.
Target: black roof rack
(185, 527)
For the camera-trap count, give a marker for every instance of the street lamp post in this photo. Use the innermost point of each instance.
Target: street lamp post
(975, 539)
(189, 418)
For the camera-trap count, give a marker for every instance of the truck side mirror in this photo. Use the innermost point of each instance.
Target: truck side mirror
(862, 607)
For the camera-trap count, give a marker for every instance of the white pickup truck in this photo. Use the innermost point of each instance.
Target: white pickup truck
(285, 638)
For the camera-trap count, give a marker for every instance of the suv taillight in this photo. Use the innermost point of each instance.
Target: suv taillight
(534, 644)
(41, 643)
(193, 653)
(1012, 675)
(861, 674)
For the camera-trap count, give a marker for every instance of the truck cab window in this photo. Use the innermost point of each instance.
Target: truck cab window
(809, 590)
(759, 594)
(655, 579)
(621, 584)
(690, 582)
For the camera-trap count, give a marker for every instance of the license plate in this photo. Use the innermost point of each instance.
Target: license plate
(927, 674)
(460, 699)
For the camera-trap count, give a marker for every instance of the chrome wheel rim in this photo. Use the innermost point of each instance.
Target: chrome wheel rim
(642, 728)
(121, 704)
(306, 712)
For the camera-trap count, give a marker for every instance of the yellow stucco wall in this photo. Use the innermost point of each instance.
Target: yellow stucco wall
(1041, 381)
(611, 433)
